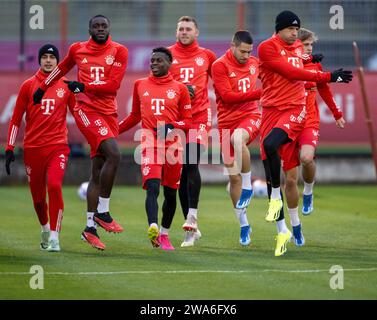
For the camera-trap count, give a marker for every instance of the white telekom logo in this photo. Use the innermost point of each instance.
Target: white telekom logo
(244, 84)
(99, 72)
(158, 105)
(186, 74)
(47, 105)
(294, 61)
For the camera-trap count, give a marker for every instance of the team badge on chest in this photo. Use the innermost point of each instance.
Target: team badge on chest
(199, 61)
(60, 92)
(109, 60)
(170, 93)
(252, 70)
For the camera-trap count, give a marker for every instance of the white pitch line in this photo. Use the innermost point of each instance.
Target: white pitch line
(95, 273)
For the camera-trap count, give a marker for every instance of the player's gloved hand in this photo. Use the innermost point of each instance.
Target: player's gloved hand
(191, 91)
(38, 95)
(9, 157)
(75, 86)
(317, 57)
(341, 75)
(164, 130)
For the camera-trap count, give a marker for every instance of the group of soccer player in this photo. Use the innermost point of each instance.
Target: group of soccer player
(173, 100)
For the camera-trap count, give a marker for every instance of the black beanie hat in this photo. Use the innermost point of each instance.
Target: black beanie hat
(286, 19)
(48, 48)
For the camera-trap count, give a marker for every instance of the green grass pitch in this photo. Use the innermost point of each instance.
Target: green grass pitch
(341, 231)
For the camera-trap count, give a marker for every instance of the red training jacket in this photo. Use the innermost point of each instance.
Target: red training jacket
(101, 67)
(45, 122)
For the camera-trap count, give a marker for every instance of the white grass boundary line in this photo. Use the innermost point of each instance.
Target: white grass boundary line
(105, 273)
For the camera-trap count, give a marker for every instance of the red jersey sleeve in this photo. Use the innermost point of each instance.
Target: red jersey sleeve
(71, 101)
(117, 72)
(62, 68)
(135, 116)
(211, 58)
(224, 88)
(184, 106)
(273, 60)
(327, 96)
(23, 99)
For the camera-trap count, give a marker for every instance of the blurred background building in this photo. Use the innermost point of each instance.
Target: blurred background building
(142, 25)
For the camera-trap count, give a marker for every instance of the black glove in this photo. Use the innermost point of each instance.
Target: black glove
(317, 57)
(9, 157)
(75, 86)
(341, 75)
(191, 91)
(164, 130)
(38, 95)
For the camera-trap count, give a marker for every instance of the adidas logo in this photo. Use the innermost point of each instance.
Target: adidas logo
(50, 49)
(295, 22)
(282, 52)
(84, 60)
(339, 79)
(314, 142)
(175, 61)
(146, 94)
(232, 75)
(287, 125)
(77, 90)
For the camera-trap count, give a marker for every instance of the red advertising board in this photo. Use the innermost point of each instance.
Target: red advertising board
(347, 96)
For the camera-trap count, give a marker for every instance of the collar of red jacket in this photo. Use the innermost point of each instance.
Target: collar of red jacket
(161, 80)
(189, 48)
(287, 46)
(230, 56)
(91, 44)
(40, 75)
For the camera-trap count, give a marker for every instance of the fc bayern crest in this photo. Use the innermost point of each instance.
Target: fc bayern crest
(252, 70)
(199, 61)
(109, 60)
(146, 170)
(298, 52)
(171, 94)
(103, 131)
(60, 92)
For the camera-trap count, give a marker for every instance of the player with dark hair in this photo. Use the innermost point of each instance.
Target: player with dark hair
(192, 66)
(45, 144)
(302, 150)
(101, 66)
(284, 112)
(234, 76)
(162, 105)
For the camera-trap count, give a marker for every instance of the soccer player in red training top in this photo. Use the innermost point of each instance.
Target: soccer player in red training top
(101, 66)
(192, 66)
(303, 149)
(45, 144)
(283, 102)
(234, 78)
(161, 104)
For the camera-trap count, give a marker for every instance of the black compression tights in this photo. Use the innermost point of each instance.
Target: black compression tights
(169, 206)
(271, 144)
(151, 204)
(191, 180)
